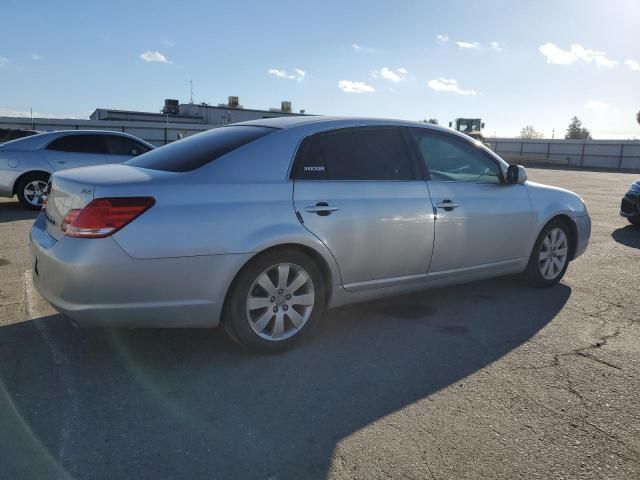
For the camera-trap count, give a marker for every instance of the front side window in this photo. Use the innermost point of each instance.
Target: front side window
(124, 146)
(449, 159)
(198, 150)
(79, 144)
(362, 153)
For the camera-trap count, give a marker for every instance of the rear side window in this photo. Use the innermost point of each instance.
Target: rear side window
(362, 153)
(198, 150)
(79, 144)
(124, 146)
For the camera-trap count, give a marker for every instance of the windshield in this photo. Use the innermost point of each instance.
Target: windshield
(198, 150)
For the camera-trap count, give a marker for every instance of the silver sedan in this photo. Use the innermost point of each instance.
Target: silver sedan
(26, 163)
(261, 226)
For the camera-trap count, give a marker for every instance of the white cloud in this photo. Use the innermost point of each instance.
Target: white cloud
(278, 73)
(36, 57)
(442, 39)
(468, 44)
(449, 85)
(355, 87)
(297, 74)
(5, 112)
(633, 65)
(558, 56)
(356, 47)
(151, 56)
(592, 56)
(3, 61)
(496, 46)
(595, 105)
(395, 76)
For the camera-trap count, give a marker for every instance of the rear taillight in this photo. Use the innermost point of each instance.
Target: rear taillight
(104, 216)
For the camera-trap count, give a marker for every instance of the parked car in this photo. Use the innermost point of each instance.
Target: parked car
(25, 164)
(630, 205)
(262, 225)
(8, 134)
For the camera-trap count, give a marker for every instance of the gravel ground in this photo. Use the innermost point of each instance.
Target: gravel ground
(487, 380)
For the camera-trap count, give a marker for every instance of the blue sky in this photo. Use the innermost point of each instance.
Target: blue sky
(511, 63)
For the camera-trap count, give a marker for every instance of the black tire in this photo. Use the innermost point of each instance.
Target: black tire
(236, 314)
(22, 185)
(533, 275)
(634, 220)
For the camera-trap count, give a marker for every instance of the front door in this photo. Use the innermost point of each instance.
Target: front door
(359, 190)
(481, 220)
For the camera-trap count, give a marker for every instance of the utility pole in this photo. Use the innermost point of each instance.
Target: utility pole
(191, 84)
(553, 134)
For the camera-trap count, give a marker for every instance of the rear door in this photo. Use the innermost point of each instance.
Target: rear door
(480, 219)
(359, 190)
(120, 148)
(75, 150)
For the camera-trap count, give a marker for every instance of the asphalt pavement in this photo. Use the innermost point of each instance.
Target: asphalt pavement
(486, 380)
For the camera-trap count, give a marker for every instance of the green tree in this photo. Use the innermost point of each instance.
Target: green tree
(577, 131)
(433, 121)
(638, 117)
(529, 132)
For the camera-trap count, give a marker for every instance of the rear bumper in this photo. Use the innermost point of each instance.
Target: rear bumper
(583, 225)
(95, 283)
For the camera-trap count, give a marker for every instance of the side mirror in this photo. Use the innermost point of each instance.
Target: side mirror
(516, 174)
(482, 125)
(450, 124)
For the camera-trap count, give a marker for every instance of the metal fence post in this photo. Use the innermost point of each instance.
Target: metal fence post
(584, 142)
(620, 161)
(548, 149)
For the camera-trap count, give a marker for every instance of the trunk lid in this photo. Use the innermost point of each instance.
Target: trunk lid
(76, 187)
(64, 195)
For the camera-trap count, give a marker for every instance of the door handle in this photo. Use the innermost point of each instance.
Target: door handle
(321, 208)
(447, 205)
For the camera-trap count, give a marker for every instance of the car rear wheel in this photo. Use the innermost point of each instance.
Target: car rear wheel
(634, 220)
(32, 190)
(274, 301)
(550, 256)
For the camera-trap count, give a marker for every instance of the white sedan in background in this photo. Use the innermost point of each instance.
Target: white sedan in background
(27, 163)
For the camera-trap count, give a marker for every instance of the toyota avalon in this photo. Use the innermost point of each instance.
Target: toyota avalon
(261, 226)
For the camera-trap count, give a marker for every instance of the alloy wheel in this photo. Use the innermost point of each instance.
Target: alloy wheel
(553, 253)
(280, 301)
(35, 192)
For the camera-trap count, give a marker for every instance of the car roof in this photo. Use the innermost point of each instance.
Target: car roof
(37, 141)
(329, 121)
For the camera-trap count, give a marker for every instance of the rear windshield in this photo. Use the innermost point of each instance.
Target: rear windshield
(198, 150)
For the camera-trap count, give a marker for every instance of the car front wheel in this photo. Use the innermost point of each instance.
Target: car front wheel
(274, 301)
(550, 256)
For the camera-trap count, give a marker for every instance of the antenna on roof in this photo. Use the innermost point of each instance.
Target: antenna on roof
(191, 84)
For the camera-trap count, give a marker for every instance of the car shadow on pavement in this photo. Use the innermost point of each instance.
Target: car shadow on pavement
(14, 211)
(191, 404)
(629, 236)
